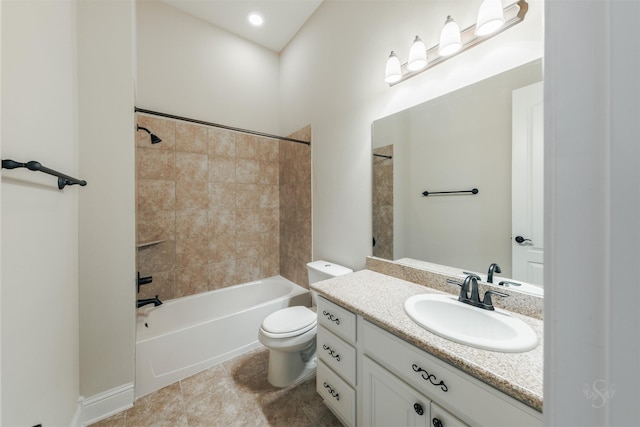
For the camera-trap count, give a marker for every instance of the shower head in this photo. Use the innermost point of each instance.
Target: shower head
(154, 138)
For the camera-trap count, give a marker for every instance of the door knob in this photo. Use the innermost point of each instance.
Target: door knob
(521, 239)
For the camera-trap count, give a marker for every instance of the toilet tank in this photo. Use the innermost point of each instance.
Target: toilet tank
(323, 270)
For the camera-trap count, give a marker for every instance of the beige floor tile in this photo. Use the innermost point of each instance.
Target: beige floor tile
(164, 407)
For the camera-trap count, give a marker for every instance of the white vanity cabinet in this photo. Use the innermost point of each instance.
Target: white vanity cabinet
(388, 401)
(337, 360)
(369, 377)
(467, 399)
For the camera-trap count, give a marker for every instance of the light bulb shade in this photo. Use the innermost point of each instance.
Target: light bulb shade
(490, 17)
(392, 72)
(417, 55)
(450, 41)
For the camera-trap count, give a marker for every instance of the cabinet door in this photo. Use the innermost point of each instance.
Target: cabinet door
(387, 401)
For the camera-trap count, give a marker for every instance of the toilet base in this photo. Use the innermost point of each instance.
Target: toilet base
(286, 368)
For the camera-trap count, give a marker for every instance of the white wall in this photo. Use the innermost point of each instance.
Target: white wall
(190, 68)
(332, 77)
(107, 273)
(39, 222)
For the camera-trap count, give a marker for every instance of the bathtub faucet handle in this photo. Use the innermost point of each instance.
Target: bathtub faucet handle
(143, 281)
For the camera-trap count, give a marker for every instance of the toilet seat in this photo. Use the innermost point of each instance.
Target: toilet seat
(289, 322)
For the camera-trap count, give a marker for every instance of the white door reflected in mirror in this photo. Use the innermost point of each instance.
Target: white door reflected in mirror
(527, 184)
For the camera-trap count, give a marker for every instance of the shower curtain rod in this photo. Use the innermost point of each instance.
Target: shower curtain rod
(201, 122)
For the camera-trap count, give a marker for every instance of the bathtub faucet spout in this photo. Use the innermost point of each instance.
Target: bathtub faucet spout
(155, 301)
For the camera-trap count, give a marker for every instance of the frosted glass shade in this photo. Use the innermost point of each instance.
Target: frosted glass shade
(450, 41)
(392, 72)
(417, 55)
(490, 17)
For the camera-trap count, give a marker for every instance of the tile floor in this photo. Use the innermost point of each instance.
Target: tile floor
(234, 393)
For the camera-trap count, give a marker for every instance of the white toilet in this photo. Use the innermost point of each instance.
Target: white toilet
(290, 333)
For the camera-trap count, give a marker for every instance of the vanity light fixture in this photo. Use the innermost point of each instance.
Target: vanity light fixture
(450, 41)
(490, 17)
(392, 72)
(492, 20)
(417, 55)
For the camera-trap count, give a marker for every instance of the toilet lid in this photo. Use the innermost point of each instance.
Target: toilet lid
(289, 319)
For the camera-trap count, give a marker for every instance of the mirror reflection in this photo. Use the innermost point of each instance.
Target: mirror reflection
(487, 136)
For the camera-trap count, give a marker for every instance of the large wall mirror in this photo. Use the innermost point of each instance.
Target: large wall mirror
(487, 136)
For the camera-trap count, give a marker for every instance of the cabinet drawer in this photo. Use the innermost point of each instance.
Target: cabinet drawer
(456, 391)
(337, 320)
(337, 354)
(337, 394)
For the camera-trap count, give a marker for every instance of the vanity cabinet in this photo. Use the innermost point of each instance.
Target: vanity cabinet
(388, 401)
(337, 360)
(369, 377)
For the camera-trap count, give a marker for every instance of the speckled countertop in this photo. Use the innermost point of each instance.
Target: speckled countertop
(380, 299)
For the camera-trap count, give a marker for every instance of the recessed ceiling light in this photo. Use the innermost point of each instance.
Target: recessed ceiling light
(255, 19)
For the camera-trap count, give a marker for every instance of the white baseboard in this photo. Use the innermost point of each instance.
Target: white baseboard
(106, 404)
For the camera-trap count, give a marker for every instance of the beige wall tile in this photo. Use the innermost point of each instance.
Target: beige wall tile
(247, 171)
(155, 225)
(222, 169)
(247, 220)
(222, 247)
(269, 173)
(269, 150)
(269, 198)
(191, 252)
(222, 274)
(248, 196)
(155, 194)
(269, 220)
(221, 142)
(191, 138)
(247, 146)
(155, 164)
(191, 167)
(191, 223)
(248, 245)
(158, 257)
(191, 195)
(247, 269)
(222, 196)
(222, 221)
(192, 280)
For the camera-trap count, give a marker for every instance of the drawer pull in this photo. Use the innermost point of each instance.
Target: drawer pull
(332, 392)
(418, 408)
(437, 423)
(331, 317)
(429, 377)
(331, 352)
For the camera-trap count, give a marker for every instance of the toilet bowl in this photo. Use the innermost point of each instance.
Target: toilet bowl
(290, 333)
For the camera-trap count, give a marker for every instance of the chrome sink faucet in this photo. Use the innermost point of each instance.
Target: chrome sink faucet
(493, 268)
(471, 284)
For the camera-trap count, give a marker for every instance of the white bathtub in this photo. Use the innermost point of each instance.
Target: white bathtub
(186, 335)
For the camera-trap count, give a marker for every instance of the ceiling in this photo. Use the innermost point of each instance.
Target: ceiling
(282, 18)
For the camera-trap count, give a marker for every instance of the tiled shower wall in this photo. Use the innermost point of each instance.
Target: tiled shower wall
(295, 207)
(208, 207)
(383, 202)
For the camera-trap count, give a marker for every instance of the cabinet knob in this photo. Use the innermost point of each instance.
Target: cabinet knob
(418, 409)
(437, 423)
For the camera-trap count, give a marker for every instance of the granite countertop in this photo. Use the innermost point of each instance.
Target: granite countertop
(380, 299)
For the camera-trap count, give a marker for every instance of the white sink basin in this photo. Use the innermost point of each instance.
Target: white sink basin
(495, 330)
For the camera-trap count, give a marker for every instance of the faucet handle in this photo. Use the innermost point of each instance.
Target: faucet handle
(487, 303)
